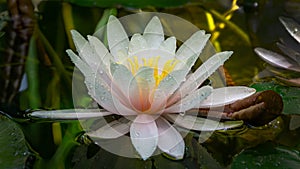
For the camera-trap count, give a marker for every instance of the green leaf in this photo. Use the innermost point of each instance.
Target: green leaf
(267, 156)
(290, 95)
(13, 150)
(131, 3)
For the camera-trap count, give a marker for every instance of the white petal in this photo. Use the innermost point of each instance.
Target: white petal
(85, 51)
(169, 140)
(277, 60)
(82, 65)
(122, 79)
(165, 89)
(136, 44)
(171, 82)
(201, 124)
(169, 45)
(225, 95)
(154, 33)
(98, 88)
(192, 47)
(117, 39)
(101, 50)
(114, 129)
(292, 27)
(89, 61)
(191, 100)
(68, 114)
(200, 75)
(144, 136)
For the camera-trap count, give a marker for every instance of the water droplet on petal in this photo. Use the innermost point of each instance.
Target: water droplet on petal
(295, 30)
(137, 134)
(182, 113)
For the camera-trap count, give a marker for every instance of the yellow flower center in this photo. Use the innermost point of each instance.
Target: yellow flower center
(158, 74)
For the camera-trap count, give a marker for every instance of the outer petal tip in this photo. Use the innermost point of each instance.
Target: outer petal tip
(111, 18)
(144, 137)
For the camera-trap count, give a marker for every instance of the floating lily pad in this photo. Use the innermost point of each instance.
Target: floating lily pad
(267, 156)
(13, 150)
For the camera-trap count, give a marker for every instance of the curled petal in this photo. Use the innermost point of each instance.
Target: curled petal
(144, 136)
(169, 140)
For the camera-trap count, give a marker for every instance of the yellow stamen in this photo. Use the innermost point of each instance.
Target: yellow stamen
(152, 62)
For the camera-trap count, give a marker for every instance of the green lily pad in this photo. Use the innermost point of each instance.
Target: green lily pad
(13, 150)
(267, 156)
(131, 3)
(290, 95)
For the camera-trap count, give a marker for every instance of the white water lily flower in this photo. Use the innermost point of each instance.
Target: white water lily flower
(144, 80)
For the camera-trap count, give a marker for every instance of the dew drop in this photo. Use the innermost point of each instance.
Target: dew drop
(182, 113)
(295, 30)
(137, 134)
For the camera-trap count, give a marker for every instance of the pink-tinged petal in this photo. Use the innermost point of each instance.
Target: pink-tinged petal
(154, 33)
(169, 140)
(114, 129)
(117, 39)
(225, 95)
(144, 136)
(190, 100)
(140, 92)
